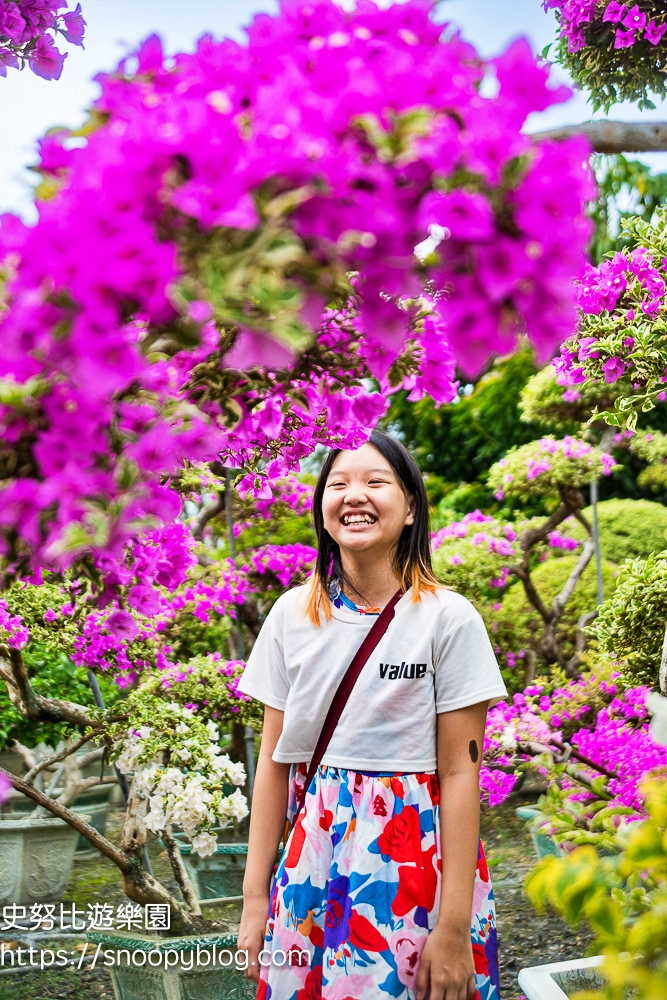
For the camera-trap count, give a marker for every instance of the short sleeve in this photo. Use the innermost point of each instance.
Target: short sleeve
(466, 670)
(265, 676)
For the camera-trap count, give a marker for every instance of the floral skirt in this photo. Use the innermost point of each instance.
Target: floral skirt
(357, 891)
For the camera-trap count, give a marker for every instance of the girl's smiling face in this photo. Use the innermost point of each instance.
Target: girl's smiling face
(363, 505)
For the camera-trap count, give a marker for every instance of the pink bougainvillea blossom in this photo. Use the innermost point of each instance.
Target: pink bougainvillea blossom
(616, 737)
(12, 629)
(654, 32)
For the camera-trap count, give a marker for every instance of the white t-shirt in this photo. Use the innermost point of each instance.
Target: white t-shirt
(434, 657)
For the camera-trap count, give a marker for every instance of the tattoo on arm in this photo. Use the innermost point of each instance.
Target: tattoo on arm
(473, 750)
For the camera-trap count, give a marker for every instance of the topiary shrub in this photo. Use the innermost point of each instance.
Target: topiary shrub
(632, 621)
(468, 568)
(544, 401)
(515, 626)
(628, 528)
(653, 480)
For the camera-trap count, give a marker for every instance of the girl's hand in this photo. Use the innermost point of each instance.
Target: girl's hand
(446, 967)
(251, 933)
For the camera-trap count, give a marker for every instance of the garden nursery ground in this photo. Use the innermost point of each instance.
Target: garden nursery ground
(525, 937)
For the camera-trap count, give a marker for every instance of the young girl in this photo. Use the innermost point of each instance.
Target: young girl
(382, 889)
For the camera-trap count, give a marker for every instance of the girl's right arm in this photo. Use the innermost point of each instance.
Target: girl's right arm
(267, 822)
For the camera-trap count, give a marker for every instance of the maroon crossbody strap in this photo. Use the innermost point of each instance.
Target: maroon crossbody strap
(380, 626)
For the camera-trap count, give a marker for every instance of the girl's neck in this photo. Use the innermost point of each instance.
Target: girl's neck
(372, 582)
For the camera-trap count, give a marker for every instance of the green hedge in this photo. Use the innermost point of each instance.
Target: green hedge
(628, 528)
(632, 621)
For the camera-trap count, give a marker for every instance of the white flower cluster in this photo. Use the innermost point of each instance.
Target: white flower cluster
(191, 797)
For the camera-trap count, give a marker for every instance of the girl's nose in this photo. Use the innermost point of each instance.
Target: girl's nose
(355, 494)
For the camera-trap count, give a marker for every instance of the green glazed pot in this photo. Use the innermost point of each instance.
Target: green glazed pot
(179, 968)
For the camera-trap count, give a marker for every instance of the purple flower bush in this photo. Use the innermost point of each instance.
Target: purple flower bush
(198, 284)
(285, 562)
(620, 339)
(209, 684)
(629, 22)
(12, 630)
(29, 30)
(616, 50)
(137, 614)
(591, 738)
(291, 494)
(548, 466)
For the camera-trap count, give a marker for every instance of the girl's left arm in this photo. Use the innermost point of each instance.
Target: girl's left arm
(446, 969)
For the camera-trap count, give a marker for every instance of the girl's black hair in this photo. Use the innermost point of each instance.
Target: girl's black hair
(412, 558)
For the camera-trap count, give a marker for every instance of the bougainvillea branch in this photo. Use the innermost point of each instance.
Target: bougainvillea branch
(29, 30)
(195, 304)
(616, 51)
(622, 336)
(595, 721)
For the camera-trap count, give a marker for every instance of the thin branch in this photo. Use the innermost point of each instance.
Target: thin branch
(531, 536)
(571, 502)
(530, 667)
(549, 646)
(73, 819)
(505, 768)
(572, 668)
(208, 512)
(560, 600)
(92, 756)
(583, 779)
(564, 747)
(537, 749)
(180, 871)
(523, 573)
(70, 748)
(583, 521)
(95, 782)
(615, 137)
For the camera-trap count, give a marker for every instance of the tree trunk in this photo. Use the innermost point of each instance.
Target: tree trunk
(530, 667)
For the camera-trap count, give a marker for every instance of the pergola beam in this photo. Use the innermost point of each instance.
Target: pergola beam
(615, 137)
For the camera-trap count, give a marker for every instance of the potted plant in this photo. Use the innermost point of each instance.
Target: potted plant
(560, 980)
(90, 795)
